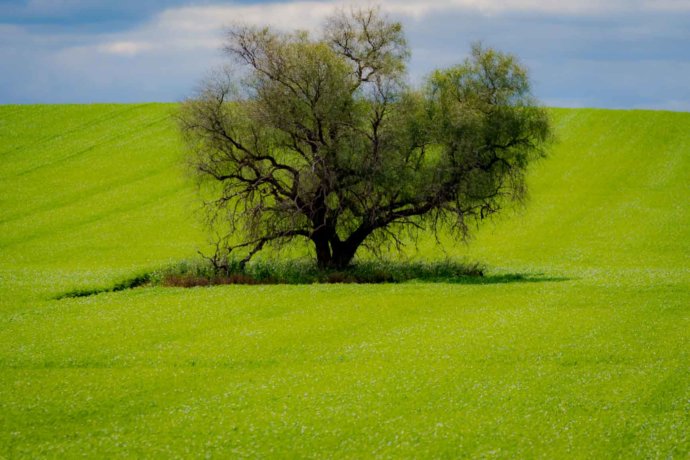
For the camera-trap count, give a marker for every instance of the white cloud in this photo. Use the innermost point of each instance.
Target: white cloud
(293, 15)
(565, 7)
(163, 57)
(201, 26)
(125, 48)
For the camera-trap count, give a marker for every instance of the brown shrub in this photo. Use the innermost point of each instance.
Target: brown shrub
(188, 281)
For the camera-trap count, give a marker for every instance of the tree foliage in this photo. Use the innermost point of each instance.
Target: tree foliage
(323, 139)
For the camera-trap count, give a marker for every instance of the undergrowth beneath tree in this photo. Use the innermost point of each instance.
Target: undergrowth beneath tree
(194, 273)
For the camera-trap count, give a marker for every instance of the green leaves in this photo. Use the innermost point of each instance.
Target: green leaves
(327, 140)
(489, 126)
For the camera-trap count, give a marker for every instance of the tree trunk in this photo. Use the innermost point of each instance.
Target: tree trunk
(343, 255)
(323, 251)
(331, 253)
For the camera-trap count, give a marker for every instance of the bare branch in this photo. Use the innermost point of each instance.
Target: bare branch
(321, 138)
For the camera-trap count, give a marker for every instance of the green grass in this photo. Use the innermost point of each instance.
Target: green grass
(589, 359)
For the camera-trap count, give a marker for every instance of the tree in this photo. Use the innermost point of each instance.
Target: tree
(322, 139)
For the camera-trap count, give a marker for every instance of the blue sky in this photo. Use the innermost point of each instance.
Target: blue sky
(592, 53)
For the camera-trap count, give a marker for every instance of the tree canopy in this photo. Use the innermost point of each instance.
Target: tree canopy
(322, 138)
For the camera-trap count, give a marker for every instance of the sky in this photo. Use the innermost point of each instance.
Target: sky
(580, 53)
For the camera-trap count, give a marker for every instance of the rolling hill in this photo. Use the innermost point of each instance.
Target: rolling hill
(590, 358)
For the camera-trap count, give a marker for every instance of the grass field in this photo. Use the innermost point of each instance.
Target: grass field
(587, 358)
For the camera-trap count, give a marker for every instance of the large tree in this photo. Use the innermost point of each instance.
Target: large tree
(321, 138)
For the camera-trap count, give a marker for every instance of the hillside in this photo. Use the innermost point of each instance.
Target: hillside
(83, 185)
(591, 360)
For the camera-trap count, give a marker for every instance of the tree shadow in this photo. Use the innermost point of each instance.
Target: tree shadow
(505, 278)
(291, 272)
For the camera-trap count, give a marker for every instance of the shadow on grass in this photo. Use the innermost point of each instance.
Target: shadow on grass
(505, 278)
(194, 274)
(130, 283)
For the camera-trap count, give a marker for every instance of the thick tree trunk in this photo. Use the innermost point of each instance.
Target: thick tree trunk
(332, 253)
(343, 255)
(323, 251)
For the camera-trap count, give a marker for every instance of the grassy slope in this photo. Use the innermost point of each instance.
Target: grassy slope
(90, 194)
(593, 365)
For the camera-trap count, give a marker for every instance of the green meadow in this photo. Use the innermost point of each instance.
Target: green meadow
(586, 355)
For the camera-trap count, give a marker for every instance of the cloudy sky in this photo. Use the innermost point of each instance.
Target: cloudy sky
(591, 53)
